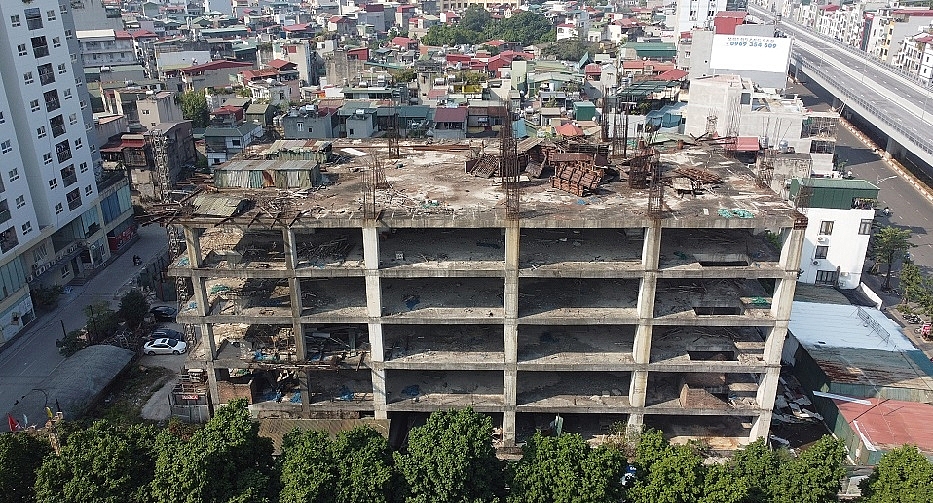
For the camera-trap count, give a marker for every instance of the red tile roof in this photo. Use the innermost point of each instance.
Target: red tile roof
(890, 423)
(220, 64)
(444, 114)
(674, 74)
(278, 64)
(732, 13)
(913, 12)
(569, 130)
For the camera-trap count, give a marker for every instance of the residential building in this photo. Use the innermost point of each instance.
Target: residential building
(308, 122)
(218, 74)
(106, 48)
(228, 134)
(840, 214)
(95, 15)
(439, 293)
(915, 54)
(692, 14)
(52, 230)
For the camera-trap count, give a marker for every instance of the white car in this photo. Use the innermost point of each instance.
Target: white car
(165, 346)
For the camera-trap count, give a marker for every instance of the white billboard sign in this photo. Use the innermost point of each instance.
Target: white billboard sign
(746, 53)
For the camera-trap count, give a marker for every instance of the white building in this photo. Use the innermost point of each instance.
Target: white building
(52, 228)
(94, 15)
(840, 214)
(219, 6)
(915, 54)
(697, 13)
(106, 48)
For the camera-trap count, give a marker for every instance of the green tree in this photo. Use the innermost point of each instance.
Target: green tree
(106, 463)
(405, 75)
(758, 466)
(814, 476)
(523, 27)
(903, 475)
(890, 244)
(364, 467)
(308, 470)
(102, 321)
(194, 108)
(675, 476)
(911, 282)
(21, 455)
(565, 469)
(721, 484)
(571, 50)
(133, 308)
(451, 459)
(226, 461)
(46, 296)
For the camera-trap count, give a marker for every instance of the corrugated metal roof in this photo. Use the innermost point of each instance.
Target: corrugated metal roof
(217, 205)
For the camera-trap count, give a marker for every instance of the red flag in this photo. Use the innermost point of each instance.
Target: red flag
(13, 424)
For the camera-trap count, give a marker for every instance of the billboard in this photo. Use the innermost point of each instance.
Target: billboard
(747, 53)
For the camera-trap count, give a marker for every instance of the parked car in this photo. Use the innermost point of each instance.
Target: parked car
(163, 313)
(166, 333)
(165, 347)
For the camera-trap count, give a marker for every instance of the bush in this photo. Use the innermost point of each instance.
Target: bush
(46, 296)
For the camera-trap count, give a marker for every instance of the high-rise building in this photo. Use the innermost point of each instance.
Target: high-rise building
(52, 227)
(697, 13)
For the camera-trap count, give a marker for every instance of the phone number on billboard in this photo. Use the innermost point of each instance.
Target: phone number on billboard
(752, 43)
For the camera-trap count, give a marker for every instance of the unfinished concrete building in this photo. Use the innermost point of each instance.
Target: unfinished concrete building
(388, 289)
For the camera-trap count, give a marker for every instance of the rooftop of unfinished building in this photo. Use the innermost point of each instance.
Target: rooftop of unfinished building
(429, 183)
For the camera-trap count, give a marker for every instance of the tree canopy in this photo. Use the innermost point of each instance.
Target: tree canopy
(194, 108)
(133, 308)
(106, 463)
(451, 458)
(477, 26)
(890, 244)
(903, 475)
(20, 457)
(571, 50)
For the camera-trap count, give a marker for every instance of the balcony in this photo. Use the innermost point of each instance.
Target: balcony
(40, 51)
(68, 180)
(58, 130)
(74, 202)
(46, 78)
(52, 105)
(4, 215)
(64, 155)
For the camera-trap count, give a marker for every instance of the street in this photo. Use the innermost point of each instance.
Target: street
(33, 356)
(910, 209)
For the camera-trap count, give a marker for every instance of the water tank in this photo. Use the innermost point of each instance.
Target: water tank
(782, 146)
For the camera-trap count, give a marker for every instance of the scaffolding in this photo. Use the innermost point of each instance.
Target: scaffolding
(160, 146)
(508, 155)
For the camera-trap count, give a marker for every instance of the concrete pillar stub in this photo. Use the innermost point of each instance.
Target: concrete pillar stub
(761, 426)
(305, 388)
(212, 385)
(376, 346)
(638, 388)
(508, 428)
(651, 248)
(291, 249)
(371, 247)
(641, 350)
(379, 393)
(193, 245)
(207, 335)
(294, 286)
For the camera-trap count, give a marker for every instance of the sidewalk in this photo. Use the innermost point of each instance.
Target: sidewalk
(107, 284)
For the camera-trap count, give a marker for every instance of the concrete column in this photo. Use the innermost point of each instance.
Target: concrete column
(635, 422)
(294, 286)
(376, 345)
(774, 343)
(291, 250)
(207, 335)
(371, 247)
(893, 149)
(200, 295)
(761, 427)
(212, 390)
(638, 388)
(641, 350)
(379, 392)
(510, 387)
(767, 388)
(305, 388)
(193, 244)
(510, 331)
(651, 248)
(790, 252)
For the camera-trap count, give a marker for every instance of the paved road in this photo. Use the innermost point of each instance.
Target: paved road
(910, 208)
(33, 356)
(904, 105)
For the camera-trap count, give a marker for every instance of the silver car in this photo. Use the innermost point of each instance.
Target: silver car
(165, 346)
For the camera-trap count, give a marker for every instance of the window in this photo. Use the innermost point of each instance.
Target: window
(53, 183)
(74, 199)
(63, 150)
(78, 143)
(63, 8)
(46, 74)
(6, 147)
(68, 34)
(144, 111)
(40, 48)
(39, 254)
(84, 167)
(88, 190)
(58, 125)
(67, 94)
(56, 42)
(65, 271)
(15, 21)
(47, 158)
(27, 78)
(68, 175)
(72, 119)
(826, 228)
(20, 201)
(300, 125)
(14, 174)
(821, 252)
(34, 105)
(864, 227)
(41, 132)
(51, 100)
(27, 228)
(58, 208)
(51, 15)
(21, 49)
(235, 142)
(2, 118)
(826, 277)
(62, 69)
